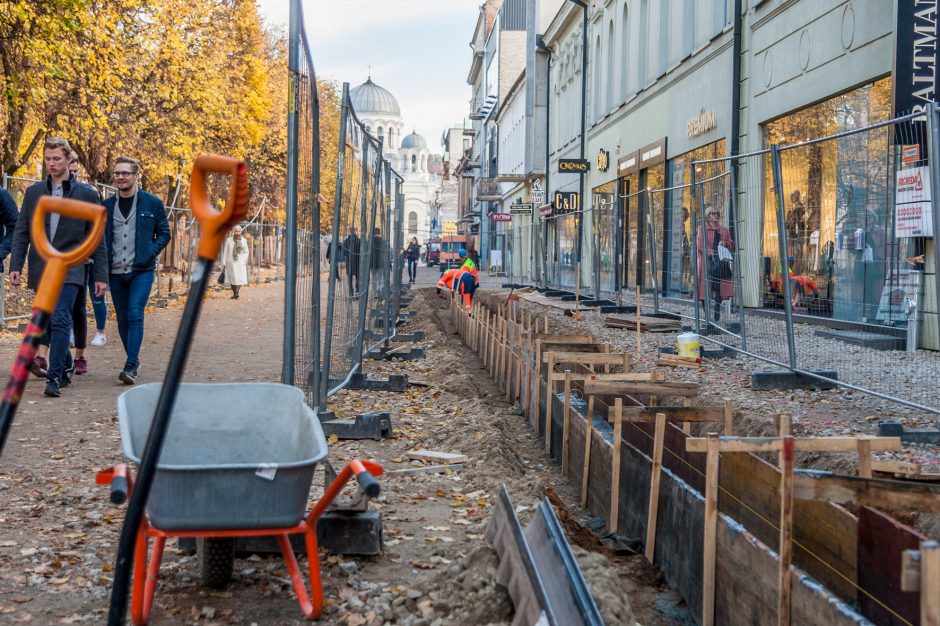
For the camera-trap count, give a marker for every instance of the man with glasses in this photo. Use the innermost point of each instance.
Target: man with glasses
(64, 233)
(136, 232)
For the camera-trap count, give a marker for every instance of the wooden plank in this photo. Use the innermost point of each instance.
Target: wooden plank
(587, 358)
(930, 583)
(711, 531)
(663, 360)
(588, 439)
(654, 486)
(433, 456)
(910, 571)
(639, 327)
(803, 444)
(563, 339)
(907, 468)
(784, 429)
(786, 532)
(729, 418)
(566, 424)
(615, 467)
(674, 413)
(876, 492)
(864, 457)
(882, 541)
(536, 386)
(549, 402)
(625, 377)
(659, 389)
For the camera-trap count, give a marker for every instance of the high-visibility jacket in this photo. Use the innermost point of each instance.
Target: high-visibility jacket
(466, 284)
(470, 266)
(447, 279)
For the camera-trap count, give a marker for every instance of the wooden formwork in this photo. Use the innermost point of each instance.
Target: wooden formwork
(827, 540)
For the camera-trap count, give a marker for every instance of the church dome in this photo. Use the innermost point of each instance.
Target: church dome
(370, 98)
(414, 141)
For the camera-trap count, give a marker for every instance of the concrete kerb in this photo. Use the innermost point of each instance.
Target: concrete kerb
(785, 379)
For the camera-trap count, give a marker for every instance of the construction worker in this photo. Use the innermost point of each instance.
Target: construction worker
(466, 285)
(466, 263)
(448, 280)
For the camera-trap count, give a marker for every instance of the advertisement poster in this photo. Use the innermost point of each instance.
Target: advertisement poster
(913, 215)
(897, 288)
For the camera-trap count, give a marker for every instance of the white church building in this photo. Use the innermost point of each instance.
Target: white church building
(409, 155)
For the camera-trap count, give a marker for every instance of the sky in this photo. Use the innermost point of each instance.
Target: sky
(418, 49)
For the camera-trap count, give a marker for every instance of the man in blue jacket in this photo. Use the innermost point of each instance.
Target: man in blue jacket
(136, 232)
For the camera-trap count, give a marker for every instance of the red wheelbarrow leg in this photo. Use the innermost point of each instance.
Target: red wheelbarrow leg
(145, 574)
(310, 610)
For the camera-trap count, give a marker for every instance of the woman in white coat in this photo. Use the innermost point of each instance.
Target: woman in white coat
(235, 261)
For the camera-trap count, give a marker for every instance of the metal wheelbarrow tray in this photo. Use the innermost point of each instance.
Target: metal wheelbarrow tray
(237, 455)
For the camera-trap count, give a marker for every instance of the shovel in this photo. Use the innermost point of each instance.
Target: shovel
(214, 226)
(57, 266)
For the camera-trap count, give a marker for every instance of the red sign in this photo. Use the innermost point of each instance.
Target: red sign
(910, 154)
(501, 217)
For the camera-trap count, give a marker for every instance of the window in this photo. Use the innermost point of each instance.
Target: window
(414, 163)
(688, 27)
(412, 223)
(664, 35)
(624, 53)
(596, 95)
(611, 97)
(642, 56)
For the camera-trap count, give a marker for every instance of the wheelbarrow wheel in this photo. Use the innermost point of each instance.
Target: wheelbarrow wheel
(216, 561)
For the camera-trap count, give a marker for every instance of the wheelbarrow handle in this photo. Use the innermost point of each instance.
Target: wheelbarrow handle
(58, 262)
(367, 482)
(215, 224)
(118, 479)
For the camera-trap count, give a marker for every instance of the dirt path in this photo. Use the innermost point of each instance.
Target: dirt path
(59, 532)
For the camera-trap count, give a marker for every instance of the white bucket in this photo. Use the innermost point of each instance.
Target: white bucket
(689, 345)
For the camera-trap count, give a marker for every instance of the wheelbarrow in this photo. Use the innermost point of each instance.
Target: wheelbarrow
(238, 461)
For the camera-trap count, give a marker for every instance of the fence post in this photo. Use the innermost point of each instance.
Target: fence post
(651, 239)
(933, 152)
(698, 200)
(738, 272)
(290, 277)
(334, 248)
(367, 270)
(400, 238)
(782, 241)
(315, 320)
(391, 243)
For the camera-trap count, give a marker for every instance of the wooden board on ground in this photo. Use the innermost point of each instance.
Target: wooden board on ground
(658, 389)
(906, 470)
(432, 456)
(587, 358)
(674, 413)
(647, 324)
(546, 301)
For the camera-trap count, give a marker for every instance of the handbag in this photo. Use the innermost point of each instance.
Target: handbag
(222, 276)
(719, 263)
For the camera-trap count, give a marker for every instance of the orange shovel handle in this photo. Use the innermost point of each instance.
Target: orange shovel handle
(58, 262)
(215, 224)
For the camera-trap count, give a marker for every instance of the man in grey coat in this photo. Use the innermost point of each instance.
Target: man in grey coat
(65, 233)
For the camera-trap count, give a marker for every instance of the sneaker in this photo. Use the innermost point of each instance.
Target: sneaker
(81, 366)
(99, 339)
(67, 376)
(52, 389)
(38, 367)
(128, 375)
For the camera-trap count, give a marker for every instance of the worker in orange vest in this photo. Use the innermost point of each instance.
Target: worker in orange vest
(448, 280)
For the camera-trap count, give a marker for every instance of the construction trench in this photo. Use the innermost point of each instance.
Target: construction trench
(437, 564)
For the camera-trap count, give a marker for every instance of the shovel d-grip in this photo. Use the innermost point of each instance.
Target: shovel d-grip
(311, 603)
(214, 226)
(53, 277)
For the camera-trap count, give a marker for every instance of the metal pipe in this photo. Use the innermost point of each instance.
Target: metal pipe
(782, 240)
(933, 154)
(652, 244)
(315, 367)
(584, 59)
(697, 202)
(540, 45)
(738, 270)
(290, 270)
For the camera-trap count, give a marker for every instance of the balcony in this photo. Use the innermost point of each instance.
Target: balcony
(481, 107)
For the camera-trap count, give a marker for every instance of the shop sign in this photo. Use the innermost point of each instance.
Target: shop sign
(910, 154)
(488, 189)
(567, 201)
(524, 208)
(915, 56)
(702, 123)
(603, 160)
(538, 195)
(899, 286)
(653, 154)
(576, 166)
(501, 217)
(627, 164)
(913, 215)
(546, 210)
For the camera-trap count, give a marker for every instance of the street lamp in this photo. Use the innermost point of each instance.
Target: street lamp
(581, 175)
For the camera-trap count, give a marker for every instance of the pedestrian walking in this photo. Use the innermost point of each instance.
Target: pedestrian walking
(413, 254)
(235, 261)
(351, 246)
(80, 310)
(715, 281)
(379, 260)
(64, 233)
(335, 258)
(136, 232)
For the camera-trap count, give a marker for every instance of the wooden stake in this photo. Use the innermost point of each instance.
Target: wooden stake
(687, 426)
(523, 343)
(729, 418)
(711, 530)
(588, 436)
(545, 320)
(536, 386)
(786, 531)
(510, 356)
(627, 363)
(577, 287)
(607, 365)
(930, 583)
(659, 436)
(784, 429)
(549, 402)
(864, 457)
(615, 466)
(566, 424)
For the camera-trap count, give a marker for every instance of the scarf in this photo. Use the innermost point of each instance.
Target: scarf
(239, 248)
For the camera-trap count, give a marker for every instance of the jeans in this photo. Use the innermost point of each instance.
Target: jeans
(60, 357)
(129, 295)
(97, 302)
(412, 268)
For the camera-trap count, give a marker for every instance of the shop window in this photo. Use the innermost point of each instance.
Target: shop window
(838, 208)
